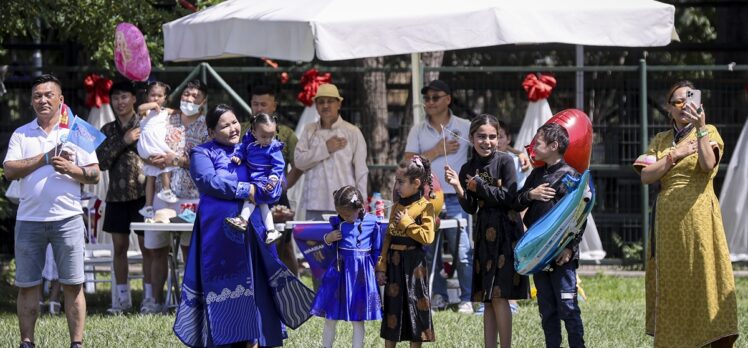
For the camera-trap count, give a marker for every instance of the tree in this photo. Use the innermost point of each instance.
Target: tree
(89, 24)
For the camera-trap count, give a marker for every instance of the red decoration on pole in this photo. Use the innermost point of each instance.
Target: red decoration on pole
(538, 87)
(309, 83)
(97, 89)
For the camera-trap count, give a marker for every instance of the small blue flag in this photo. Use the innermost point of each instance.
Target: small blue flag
(86, 136)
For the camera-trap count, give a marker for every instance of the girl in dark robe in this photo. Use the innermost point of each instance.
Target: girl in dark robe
(486, 187)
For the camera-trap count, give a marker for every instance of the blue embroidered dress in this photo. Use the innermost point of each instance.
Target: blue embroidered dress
(349, 288)
(263, 162)
(235, 289)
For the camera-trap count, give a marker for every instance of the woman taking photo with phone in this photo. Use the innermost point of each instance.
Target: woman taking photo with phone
(690, 288)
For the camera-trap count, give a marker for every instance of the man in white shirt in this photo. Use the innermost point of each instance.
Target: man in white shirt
(50, 210)
(331, 153)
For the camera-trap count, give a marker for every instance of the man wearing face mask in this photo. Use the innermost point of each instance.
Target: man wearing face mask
(187, 129)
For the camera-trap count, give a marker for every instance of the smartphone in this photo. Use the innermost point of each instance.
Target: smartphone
(694, 96)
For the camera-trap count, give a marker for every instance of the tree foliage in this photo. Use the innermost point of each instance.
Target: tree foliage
(90, 24)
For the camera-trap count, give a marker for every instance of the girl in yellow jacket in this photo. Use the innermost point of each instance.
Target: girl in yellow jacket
(402, 267)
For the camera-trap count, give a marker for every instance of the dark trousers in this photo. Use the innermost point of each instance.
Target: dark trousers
(557, 300)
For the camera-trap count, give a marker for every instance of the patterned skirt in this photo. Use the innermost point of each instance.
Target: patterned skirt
(407, 307)
(493, 260)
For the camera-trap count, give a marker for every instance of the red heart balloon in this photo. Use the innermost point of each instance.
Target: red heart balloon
(577, 154)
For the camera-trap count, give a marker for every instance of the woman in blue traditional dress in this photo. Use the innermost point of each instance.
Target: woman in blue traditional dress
(235, 292)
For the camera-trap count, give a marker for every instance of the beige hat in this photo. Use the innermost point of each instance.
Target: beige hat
(328, 90)
(163, 215)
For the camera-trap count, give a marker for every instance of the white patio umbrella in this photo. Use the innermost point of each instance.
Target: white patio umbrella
(299, 30)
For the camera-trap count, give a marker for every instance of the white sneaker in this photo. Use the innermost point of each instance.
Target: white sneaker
(54, 308)
(121, 306)
(465, 308)
(146, 302)
(514, 307)
(438, 302)
(151, 307)
(147, 212)
(167, 196)
(272, 236)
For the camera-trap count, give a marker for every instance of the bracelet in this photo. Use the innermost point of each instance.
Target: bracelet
(701, 133)
(46, 158)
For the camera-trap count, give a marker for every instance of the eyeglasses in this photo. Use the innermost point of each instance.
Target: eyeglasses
(677, 103)
(433, 98)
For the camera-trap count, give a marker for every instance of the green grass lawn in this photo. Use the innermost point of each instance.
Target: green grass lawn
(613, 316)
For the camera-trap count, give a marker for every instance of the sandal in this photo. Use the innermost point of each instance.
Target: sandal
(238, 223)
(272, 236)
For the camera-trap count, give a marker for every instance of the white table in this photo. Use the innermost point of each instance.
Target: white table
(176, 229)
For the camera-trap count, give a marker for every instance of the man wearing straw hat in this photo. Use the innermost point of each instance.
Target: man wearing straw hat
(331, 152)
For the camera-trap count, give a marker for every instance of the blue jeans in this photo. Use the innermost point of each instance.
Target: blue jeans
(464, 253)
(557, 300)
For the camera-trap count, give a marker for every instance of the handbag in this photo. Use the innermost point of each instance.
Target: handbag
(13, 192)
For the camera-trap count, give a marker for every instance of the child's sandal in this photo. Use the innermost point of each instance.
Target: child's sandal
(238, 223)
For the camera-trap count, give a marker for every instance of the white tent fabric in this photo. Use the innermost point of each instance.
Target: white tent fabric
(733, 200)
(536, 115)
(299, 30)
(591, 248)
(98, 117)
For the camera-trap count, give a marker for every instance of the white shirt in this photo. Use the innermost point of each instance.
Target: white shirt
(46, 195)
(423, 137)
(325, 172)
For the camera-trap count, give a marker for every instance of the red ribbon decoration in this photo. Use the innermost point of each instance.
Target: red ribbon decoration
(310, 81)
(97, 88)
(538, 87)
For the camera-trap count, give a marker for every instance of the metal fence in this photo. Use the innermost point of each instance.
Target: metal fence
(613, 99)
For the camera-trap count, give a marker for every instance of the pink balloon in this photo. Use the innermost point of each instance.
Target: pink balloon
(131, 53)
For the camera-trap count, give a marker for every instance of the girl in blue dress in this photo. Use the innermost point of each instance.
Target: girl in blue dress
(260, 149)
(349, 289)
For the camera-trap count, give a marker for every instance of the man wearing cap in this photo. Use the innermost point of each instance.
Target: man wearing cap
(426, 139)
(332, 153)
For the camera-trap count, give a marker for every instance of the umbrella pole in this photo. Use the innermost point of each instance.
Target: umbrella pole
(416, 82)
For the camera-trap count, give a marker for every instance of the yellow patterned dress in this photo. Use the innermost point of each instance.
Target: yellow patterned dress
(690, 288)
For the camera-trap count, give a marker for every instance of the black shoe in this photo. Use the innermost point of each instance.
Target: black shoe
(76, 345)
(27, 344)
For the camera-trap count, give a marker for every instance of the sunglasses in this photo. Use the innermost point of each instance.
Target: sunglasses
(677, 103)
(433, 99)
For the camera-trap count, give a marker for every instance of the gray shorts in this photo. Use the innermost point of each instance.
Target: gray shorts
(68, 245)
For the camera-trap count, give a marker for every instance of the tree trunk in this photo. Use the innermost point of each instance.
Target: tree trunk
(432, 59)
(375, 124)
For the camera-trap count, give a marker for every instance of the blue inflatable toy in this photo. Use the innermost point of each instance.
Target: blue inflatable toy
(544, 241)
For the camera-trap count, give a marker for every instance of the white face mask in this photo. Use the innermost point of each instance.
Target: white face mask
(188, 108)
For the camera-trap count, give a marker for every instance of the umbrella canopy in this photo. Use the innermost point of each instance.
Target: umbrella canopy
(297, 30)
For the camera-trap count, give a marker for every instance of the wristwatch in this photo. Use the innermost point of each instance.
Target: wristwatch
(175, 161)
